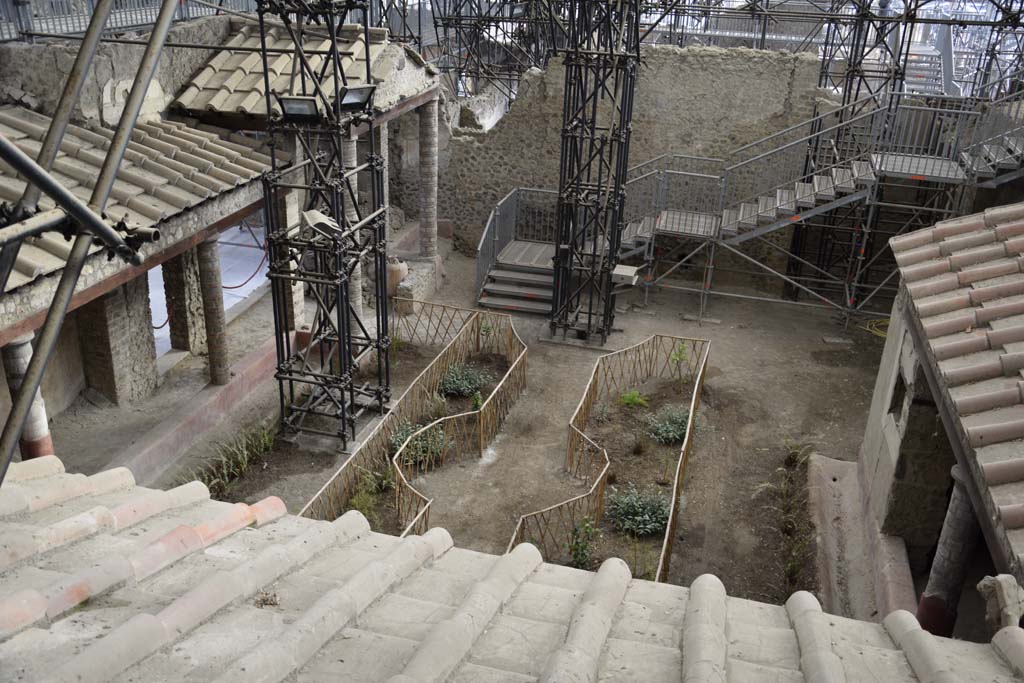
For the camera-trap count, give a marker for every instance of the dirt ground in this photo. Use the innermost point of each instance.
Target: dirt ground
(772, 381)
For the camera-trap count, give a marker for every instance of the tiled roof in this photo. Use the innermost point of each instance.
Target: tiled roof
(103, 580)
(168, 168)
(965, 279)
(233, 83)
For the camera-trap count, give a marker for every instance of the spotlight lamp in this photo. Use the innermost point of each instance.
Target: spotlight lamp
(299, 109)
(356, 98)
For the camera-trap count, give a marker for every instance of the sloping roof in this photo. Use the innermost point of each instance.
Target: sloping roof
(233, 83)
(965, 281)
(104, 580)
(168, 168)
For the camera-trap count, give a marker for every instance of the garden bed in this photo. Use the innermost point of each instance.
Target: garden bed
(642, 431)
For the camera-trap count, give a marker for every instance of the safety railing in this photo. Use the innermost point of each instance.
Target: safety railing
(465, 435)
(523, 214)
(427, 325)
(69, 17)
(661, 356)
(1001, 121)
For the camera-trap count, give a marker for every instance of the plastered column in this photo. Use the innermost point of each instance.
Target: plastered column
(937, 609)
(184, 302)
(213, 312)
(350, 158)
(428, 179)
(35, 438)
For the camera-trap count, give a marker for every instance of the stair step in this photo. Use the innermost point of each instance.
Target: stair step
(843, 180)
(748, 215)
(1015, 144)
(978, 164)
(804, 194)
(522, 277)
(730, 220)
(823, 188)
(862, 173)
(1000, 156)
(786, 202)
(518, 291)
(766, 209)
(520, 305)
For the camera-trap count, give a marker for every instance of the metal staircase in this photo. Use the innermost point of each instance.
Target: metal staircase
(844, 164)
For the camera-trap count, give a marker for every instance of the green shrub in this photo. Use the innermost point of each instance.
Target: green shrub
(424, 448)
(464, 380)
(581, 544)
(638, 513)
(365, 503)
(668, 424)
(478, 401)
(234, 458)
(633, 399)
(679, 355)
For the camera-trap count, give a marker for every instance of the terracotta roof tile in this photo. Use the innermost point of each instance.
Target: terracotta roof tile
(171, 595)
(233, 82)
(167, 169)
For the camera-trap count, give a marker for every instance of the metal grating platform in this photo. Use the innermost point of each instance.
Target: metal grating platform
(688, 224)
(534, 255)
(916, 167)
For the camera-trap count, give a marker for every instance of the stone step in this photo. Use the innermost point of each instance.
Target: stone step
(843, 180)
(804, 195)
(748, 215)
(517, 305)
(765, 210)
(862, 173)
(503, 289)
(785, 200)
(823, 188)
(521, 277)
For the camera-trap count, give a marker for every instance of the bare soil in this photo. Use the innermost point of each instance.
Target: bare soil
(772, 381)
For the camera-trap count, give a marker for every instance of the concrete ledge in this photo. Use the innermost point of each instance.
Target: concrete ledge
(836, 491)
(163, 446)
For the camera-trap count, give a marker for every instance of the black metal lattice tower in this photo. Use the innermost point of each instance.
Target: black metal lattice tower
(342, 371)
(601, 57)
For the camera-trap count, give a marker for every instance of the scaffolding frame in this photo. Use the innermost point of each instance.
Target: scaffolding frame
(601, 57)
(341, 371)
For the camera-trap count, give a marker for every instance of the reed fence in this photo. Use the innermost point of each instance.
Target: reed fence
(460, 333)
(660, 356)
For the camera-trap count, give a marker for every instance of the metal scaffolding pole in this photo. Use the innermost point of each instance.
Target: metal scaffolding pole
(48, 333)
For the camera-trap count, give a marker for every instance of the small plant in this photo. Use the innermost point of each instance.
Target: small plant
(422, 449)
(668, 424)
(377, 482)
(633, 399)
(600, 412)
(638, 513)
(464, 380)
(644, 562)
(478, 401)
(365, 502)
(679, 355)
(233, 458)
(581, 545)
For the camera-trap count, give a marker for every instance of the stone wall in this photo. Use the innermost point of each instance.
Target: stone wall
(34, 74)
(905, 455)
(695, 100)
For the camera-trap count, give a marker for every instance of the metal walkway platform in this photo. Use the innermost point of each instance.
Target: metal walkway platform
(532, 255)
(917, 167)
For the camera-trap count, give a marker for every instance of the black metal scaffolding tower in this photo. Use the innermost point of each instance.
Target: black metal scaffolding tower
(342, 370)
(601, 57)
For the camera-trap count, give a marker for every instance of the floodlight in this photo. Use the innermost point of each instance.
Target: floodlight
(356, 98)
(299, 109)
(320, 221)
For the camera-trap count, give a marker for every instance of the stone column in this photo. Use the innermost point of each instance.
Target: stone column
(286, 209)
(184, 302)
(350, 159)
(35, 439)
(937, 609)
(118, 348)
(428, 179)
(213, 312)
